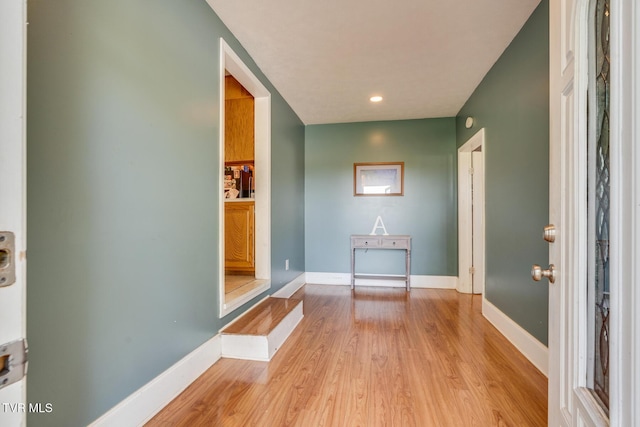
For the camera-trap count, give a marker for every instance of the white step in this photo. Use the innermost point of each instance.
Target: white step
(260, 332)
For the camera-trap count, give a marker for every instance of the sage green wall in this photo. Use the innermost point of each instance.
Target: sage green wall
(427, 211)
(123, 168)
(512, 104)
(287, 196)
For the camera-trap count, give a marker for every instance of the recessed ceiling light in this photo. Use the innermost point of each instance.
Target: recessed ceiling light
(376, 98)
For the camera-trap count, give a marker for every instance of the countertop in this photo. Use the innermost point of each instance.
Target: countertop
(243, 199)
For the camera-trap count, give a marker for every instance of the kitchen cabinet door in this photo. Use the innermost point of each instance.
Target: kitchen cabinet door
(239, 130)
(239, 123)
(239, 237)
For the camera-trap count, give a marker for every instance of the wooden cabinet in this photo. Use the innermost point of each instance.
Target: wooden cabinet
(239, 122)
(239, 223)
(234, 90)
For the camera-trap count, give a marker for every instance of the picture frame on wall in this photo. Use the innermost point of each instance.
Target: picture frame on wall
(378, 179)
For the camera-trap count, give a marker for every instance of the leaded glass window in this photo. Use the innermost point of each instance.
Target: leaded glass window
(599, 200)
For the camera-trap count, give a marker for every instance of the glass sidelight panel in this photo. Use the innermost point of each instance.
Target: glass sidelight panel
(599, 200)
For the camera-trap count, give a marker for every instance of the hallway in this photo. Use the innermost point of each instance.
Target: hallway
(377, 357)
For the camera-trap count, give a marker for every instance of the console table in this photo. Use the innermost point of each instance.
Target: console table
(366, 241)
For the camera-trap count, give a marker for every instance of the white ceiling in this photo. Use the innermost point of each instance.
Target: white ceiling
(327, 57)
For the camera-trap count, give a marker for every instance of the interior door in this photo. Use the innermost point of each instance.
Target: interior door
(573, 336)
(477, 164)
(12, 212)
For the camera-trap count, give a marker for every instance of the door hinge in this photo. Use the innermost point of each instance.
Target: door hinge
(470, 171)
(13, 362)
(472, 270)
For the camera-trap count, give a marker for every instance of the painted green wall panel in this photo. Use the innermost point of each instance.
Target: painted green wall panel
(427, 211)
(512, 104)
(123, 108)
(287, 198)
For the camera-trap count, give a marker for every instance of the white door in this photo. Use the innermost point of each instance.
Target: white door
(593, 339)
(471, 247)
(477, 189)
(13, 406)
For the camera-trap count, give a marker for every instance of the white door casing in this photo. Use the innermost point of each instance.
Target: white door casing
(570, 401)
(624, 404)
(477, 164)
(471, 246)
(230, 61)
(13, 190)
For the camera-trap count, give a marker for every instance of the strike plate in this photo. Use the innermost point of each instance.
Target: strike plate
(13, 362)
(7, 259)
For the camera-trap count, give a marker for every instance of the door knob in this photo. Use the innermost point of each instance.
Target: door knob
(537, 273)
(549, 233)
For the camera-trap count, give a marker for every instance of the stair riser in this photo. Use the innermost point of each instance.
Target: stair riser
(261, 347)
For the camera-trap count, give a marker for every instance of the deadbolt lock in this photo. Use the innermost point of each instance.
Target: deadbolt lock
(7, 259)
(549, 233)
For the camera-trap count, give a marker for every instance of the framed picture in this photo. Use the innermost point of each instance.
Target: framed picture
(378, 179)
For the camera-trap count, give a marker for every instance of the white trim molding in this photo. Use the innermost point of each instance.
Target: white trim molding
(471, 236)
(624, 380)
(231, 62)
(527, 344)
(290, 288)
(245, 298)
(147, 401)
(417, 281)
(13, 213)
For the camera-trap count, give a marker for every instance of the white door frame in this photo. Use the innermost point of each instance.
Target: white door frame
(230, 61)
(471, 242)
(625, 213)
(570, 403)
(13, 56)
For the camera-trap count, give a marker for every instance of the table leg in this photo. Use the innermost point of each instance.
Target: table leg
(353, 268)
(408, 270)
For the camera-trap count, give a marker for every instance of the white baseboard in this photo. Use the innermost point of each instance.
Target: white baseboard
(434, 282)
(147, 401)
(328, 278)
(290, 288)
(529, 346)
(417, 281)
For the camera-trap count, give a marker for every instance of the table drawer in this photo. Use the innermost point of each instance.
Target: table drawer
(364, 242)
(395, 243)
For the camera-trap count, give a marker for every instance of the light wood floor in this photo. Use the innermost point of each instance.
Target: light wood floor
(377, 357)
(236, 285)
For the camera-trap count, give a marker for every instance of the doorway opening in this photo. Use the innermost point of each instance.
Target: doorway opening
(471, 212)
(244, 261)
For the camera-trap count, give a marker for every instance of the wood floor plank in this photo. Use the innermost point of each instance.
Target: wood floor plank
(374, 357)
(263, 318)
